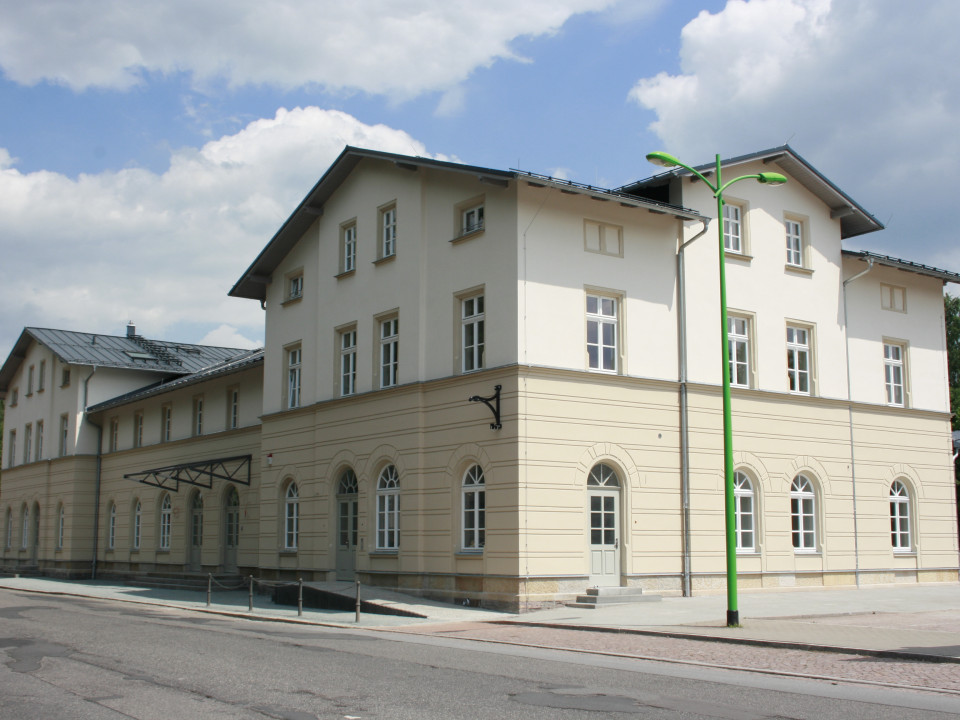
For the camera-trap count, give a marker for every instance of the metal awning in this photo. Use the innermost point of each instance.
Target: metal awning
(202, 473)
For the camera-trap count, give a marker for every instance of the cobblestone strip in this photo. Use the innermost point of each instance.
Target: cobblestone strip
(828, 666)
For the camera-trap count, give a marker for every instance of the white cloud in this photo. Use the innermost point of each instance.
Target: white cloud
(164, 249)
(395, 47)
(867, 90)
(229, 336)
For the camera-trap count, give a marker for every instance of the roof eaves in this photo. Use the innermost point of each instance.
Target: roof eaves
(906, 265)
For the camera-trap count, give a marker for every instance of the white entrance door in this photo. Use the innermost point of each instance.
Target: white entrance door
(603, 509)
(347, 507)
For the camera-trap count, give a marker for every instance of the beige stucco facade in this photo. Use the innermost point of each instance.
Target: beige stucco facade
(543, 248)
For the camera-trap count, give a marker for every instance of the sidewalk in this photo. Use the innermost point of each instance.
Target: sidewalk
(907, 622)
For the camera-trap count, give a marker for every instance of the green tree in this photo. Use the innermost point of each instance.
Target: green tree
(951, 312)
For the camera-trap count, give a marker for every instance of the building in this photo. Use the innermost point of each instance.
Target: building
(503, 387)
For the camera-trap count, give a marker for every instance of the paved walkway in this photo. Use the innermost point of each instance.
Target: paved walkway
(909, 621)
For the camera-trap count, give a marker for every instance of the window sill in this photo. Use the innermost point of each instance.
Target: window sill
(748, 553)
(288, 551)
(904, 553)
(291, 300)
(345, 274)
(798, 270)
(742, 257)
(469, 552)
(384, 552)
(807, 553)
(468, 235)
(385, 259)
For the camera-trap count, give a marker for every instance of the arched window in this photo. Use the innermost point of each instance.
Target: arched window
(291, 514)
(137, 525)
(474, 509)
(388, 509)
(603, 476)
(60, 523)
(745, 507)
(25, 528)
(9, 525)
(166, 515)
(803, 502)
(347, 508)
(899, 517)
(112, 527)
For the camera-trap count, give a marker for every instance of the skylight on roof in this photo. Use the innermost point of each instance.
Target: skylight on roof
(139, 355)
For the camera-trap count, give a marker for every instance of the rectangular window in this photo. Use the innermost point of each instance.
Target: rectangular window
(388, 231)
(138, 429)
(27, 442)
(471, 219)
(114, 439)
(198, 415)
(64, 435)
(14, 397)
(294, 359)
(348, 245)
(166, 423)
(295, 287)
(12, 452)
(602, 238)
(30, 381)
(602, 333)
(733, 228)
(39, 455)
(893, 298)
(40, 377)
(798, 359)
(65, 377)
(233, 408)
(471, 333)
(794, 243)
(894, 364)
(389, 345)
(738, 344)
(348, 362)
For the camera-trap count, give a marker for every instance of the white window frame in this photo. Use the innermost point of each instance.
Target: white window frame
(389, 363)
(30, 375)
(198, 415)
(42, 373)
(294, 376)
(388, 510)
(138, 429)
(803, 515)
(166, 423)
(8, 542)
(795, 242)
(472, 336)
(348, 246)
(233, 408)
(799, 353)
(901, 530)
(473, 504)
(25, 529)
(893, 298)
(166, 519)
(745, 509)
(388, 231)
(60, 527)
(39, 453)
(602, 238)
(733, 228)
(348, 361)
(137, 525)
(740, 337)
(12, 451)
(603, 349)
(295, 286)
(895, 373)
(112, 527)
(472, 219)
(64, 434)
(27, 442)
(291, 517)
(114, 434)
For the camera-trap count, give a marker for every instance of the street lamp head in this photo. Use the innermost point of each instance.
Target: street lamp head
(771, 178)
(662, 159)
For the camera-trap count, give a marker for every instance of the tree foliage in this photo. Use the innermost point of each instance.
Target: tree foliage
(951, 313)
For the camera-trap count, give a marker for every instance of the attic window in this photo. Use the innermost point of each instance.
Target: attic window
(140, 355)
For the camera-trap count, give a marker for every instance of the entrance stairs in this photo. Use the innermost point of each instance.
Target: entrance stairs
(602, 596)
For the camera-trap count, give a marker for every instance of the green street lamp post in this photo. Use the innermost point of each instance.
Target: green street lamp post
(771, 178)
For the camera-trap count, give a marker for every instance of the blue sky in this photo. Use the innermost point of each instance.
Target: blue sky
(148, 151)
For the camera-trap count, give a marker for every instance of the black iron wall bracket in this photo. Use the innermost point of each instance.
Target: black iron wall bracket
(494, 406)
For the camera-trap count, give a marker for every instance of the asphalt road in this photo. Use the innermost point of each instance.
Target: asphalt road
(79, 658)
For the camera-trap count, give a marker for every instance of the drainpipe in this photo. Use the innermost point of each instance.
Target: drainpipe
(684, 422)
(853, 465)
(96, 493)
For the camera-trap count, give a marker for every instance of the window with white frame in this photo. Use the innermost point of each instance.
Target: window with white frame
(30, 374)
(166, 423)
(166, 517)
(388, 509)
(388, 231)
(471, 333)
(65, 377)
(900, 517)
(798, 359)
(295, 286)
(138, 429)
(745, 510)
(12, 451)
(39, 454)
(474, 509)
(602, 238)
(348, 362)
(114, 444)
(60, 527)
(733, 228)
(803, 502)
(738, 344)
(233, 408)
(602, 332)
(137, 526)
(25, 528)
(893, 298)
(27, 442)
(348, 524)
(471, 219)
(794, 232)
(348, 247)
(893, 373)
(389, 347)
(198, 415)
(14, 397)
(294, 361)
(291, 517)
(112, 528)
(8, 542)
(42, 374)
(64, 435)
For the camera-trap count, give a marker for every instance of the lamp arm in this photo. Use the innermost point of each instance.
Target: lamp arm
(699, 175)
(719, 191)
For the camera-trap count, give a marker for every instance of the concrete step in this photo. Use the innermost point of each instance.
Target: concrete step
(604, 596)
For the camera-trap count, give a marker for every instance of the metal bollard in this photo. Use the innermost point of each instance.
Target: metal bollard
(251, 593)
(209, 587)
(358, 601)
(300, 598)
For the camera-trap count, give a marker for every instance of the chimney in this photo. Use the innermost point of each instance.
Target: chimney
(131, 329)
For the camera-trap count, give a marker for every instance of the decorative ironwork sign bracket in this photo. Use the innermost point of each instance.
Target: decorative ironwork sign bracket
(201, 474)
(494, 406)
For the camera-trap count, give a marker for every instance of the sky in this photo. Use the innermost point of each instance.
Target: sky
(148, 151)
